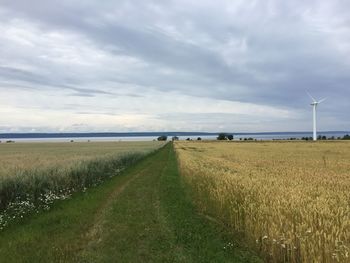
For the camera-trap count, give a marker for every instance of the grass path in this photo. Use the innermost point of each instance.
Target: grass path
(143, 215)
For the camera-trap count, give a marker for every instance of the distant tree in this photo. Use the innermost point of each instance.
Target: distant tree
(162, 138)
(306, 138)
(175, 138)
(346, 137)
(188, 139)
(222, 137)
(199, 139)
(321, 137)
(230, 137)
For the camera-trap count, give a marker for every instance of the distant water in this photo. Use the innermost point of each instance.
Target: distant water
(83, 139)
(193, 136)
(270, 136)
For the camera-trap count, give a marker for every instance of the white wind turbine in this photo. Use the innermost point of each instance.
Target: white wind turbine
(314, 107)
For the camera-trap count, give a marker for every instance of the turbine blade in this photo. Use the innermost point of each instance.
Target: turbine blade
(322, 100)
(311, 96)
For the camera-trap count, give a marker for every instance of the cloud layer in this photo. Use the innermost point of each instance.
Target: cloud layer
(173, 65)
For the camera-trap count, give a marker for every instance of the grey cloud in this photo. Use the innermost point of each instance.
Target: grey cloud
(10, 73)
(268, 53)
(97, 113)
(81, 95)
(88, 92)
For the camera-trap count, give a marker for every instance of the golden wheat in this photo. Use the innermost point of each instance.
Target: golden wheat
(290, 199)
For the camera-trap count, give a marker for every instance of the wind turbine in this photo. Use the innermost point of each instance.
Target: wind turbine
(314, 107)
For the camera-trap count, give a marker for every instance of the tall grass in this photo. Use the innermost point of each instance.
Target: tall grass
(290, 200)
(36, 174)
(32, 190)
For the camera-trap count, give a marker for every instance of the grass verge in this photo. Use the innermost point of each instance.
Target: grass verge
(33, 190)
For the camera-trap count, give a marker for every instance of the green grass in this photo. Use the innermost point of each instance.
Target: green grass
(142, 215)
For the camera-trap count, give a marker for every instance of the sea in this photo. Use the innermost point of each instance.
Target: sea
(150, 136)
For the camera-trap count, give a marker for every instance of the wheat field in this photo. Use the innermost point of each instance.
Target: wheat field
(18, 157)
(290, 200)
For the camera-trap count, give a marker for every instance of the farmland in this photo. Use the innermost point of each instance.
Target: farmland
(18, 157)
(33, 175)
(205, 201)
(290, 200)
(142, 215)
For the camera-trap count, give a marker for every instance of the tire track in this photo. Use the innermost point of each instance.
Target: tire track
(94, 235)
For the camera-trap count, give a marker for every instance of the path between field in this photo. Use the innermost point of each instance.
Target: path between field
(143, 215)
(151, 220)
(93, 235)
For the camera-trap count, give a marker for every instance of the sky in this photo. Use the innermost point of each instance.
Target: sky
(234, 66)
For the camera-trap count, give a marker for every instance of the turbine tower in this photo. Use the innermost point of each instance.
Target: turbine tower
(314, 110)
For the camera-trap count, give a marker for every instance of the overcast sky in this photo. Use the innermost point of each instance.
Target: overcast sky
(183, 65)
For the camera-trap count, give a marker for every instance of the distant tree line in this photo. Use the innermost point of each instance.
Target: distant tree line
(224, 136)
(162, 138)
(198, 139)
(230, 137)
(247, 139)
(346, 137)
(323, 137)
